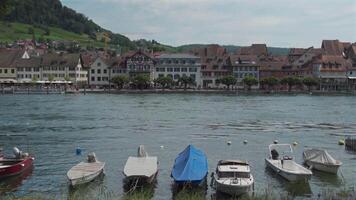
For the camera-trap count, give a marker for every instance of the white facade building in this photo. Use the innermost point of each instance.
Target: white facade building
(178, 65)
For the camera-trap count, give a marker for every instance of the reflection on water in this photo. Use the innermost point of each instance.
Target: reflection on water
(12, 183)
(114, 125)
(90, 190)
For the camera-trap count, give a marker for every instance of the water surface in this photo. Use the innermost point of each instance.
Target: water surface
(114, 125)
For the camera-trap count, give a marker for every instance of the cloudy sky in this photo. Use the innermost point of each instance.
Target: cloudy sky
(284, 23)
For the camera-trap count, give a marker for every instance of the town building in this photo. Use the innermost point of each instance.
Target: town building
(215, 64)
(243, 66)
(99, 72)
(7, 67)
(139, 62)
(351, 71)
(178, 65)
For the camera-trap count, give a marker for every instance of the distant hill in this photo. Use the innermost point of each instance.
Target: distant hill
(50, 20)
(234, 48)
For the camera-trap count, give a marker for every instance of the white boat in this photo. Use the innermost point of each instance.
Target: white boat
(233, 177)
(142, 168)
(321, 160)
(85, 172)
(281, 161)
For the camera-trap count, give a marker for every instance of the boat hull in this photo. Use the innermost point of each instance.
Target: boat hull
(332, 169)
(86, 179)
(142, 179)
(293, 177)
(14, 169)
(234, 189)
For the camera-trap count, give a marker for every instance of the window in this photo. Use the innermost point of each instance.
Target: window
(93, 71)
(99, 71)
(177, 69)
(184, 69)
(160, 75)
(99, 78)
(191, 69)
(98, 64)
(193, 76)
(105, 78)
(12, 71)
(169, 69)
(93, 78)
(176, 76)
(176, 61)
(105, 71)
(36, 69)
(28, 69)
(5, 71)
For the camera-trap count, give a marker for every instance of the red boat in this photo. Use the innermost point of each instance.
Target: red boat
(17, 165)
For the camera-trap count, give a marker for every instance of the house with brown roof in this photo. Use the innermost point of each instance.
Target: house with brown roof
(215, 64)
(139, 62)
(350, 54)
(334, 47)
(245, 65)
(7, 67)
(254, 49)
(62, 66)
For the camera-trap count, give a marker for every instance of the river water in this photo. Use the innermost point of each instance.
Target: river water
(113, 126)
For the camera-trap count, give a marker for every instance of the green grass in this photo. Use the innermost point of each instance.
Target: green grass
(10, 32)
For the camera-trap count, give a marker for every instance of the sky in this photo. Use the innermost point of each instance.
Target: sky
(279, 23)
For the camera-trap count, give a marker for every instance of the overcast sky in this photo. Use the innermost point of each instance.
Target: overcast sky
(284, 23)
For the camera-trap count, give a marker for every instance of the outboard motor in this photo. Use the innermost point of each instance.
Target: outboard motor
(91, 158)
(141, 151)
(17, 152)
(274, 154)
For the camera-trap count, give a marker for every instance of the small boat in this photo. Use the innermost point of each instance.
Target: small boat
(85, 172)
(142, 169)
(11, 166)
(321, 160)
(233, 177)
(284, 164)
(190, 167)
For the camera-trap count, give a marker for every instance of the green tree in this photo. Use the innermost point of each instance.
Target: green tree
(165, 82)
(5, 7)
(250, 81)
(228, 81)
(291, 81)
(186, 81)
(310, 82)
(51, 78)
(120, 81)
(141, 81)
(30, 31)
(270, 82)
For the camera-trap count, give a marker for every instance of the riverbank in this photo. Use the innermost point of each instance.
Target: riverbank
(190, 195)
(211, 91)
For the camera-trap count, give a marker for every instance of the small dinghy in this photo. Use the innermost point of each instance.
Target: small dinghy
(321, 160)
(281, 161)
(190, 167)
(85, 172)
(142, 168)
(233, 177)
(11, 166)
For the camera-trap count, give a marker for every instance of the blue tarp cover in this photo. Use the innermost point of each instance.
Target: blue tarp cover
(191, 165)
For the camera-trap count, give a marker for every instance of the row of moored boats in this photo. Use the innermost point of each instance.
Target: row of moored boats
(232, 177)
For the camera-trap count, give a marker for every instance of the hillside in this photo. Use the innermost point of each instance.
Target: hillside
(50, 20)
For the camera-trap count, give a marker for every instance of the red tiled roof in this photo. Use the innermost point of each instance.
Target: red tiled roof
(334, 47)
(8, 56)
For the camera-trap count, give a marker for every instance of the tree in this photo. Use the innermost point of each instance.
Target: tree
(270, 82)
(30, 31)
(141, 81)
(5, 7)
(291, 81)
(228, 80)
(67, 78)
(185, 80)
(120, 81)
(165, 82)
(250, 81)
(51, 78)
(310, 82)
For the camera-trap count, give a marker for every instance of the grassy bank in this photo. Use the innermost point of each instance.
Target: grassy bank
(188, 195)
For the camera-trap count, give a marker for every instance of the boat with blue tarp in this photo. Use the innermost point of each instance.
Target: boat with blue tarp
(190, 167)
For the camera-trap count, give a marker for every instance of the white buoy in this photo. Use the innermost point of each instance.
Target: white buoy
(295, 143)
(275, 141)
(228, 142)
(162, 147)
(245, 142)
